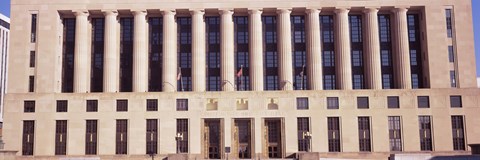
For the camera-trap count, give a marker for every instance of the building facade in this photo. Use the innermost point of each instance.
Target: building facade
(4, 38)
(241, 79)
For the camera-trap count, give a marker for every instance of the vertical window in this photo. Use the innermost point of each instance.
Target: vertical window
(61, 137)
(182, 104)
(155, 56)
(451, 54)
(364, 134)
(425, 126)
(395, 133)
(333, 134)
(97, 47)
(302, 103)
(242, 66)
(126, 54)
(213, 53)
(152, 136)
(122, 105)
(415, 45)
(29, 106)
(91, 138)
(423, 101)
(356, 41)
(33, 35)
(303, 129)
(386, 50)
(182, 130)
(92, 106)
(68, 54)
(362, 103)
(299, 52)
(28, 137)
(448, 14)
(62, 105)
(458, 133)
(184, 25)
(270, 52)
(32, 59)
(456, 101)
(121, 137)
(31, 83)
(393, 102)
(152, 105)
(332, 103)
(453, 81)
(328, 51)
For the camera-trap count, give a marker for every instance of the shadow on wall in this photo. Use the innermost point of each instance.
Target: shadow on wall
(466, 157)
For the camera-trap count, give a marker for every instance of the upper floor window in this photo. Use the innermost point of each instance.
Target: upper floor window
(182, 104)
(302, 103)
(451, 54)
(332, 103)
(62, 105)
(362, 103)
(393, 102)
(29, 106)
(92, 106)
(152, 105)
(456, 101)
(33, 37)
(423, 102)
(448, 14)
(122, 105)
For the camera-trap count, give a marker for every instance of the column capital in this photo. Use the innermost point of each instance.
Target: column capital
(284, 10)
(341, 10)
(168, 12)
(197, 12)
(139, 12)
(255, 11)
(225, 11)
(371, 10)
(80, 12)
(110, 12)
(312, 11)
(400, 9)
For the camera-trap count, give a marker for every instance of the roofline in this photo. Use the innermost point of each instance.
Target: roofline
(5, 18)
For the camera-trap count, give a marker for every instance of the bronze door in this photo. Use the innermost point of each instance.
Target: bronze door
(243, 138)
(212, 139)
(274, 138)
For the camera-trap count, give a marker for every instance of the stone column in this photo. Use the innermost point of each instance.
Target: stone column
(81, 67)
(342, 50)
(140, 55)
(314, 50)
(285, 49)
(111, 60)
(402, 53)
(170, 69)
(198, 51)
(256, 49)
(372, 63)
(227, 50)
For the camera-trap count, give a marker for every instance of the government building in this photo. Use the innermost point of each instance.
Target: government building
(241, 79)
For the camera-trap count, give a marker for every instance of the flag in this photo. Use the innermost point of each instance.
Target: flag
(240, 72)
(179, 76)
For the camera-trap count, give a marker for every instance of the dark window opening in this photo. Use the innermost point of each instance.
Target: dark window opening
(356, 42)
(29, 106)
(451, 54)
(32, 59)
(334, 134)
(393, 102)
(332, 103)
(33, 35)
(213, 53)
(68, 54)
(61, 137)
(31, 83)
(184, 25)
(425, 133)
(456, 101)
(155, 56)
(328, 51)
(303, 129)
(299, 51)
(453, 79)
(386, 51)
(182, 130)
(448, 14)
(416, 61)
(458, 133)
(364, 134)
(270, 53)
(182, 104)
(242, 59)
(28, 137)
(91, 138)
(92, 105)
(62, 105)
(423, 101)
(98, 44)
(302, 103)
(126, 54)
(121, 137)
(395, 133)
(152, 136)
(362, 103)
(152, 105)
(122, 105)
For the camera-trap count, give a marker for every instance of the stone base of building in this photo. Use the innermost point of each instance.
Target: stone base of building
(7, 155)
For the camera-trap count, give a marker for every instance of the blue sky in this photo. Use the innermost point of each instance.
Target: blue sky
(5, 9)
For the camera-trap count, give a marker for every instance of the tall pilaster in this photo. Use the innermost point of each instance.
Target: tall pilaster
(140, 56)
(372, 50)
(170, 70)
(256, 49)
(227, 50)
(111, 60)
(198, 51)
(342, 49)
(314, 50)
(81, 77)
(285, 49)
(402, 53)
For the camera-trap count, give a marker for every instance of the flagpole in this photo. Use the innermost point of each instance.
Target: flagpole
(302, 76)
(180, 78)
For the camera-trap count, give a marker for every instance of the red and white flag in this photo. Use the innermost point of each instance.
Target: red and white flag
(240, 72)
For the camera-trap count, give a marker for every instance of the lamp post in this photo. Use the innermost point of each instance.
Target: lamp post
(178, 138)
(308, 136)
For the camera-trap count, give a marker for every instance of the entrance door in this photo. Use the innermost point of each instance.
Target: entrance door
(212, 139)
(274, 138)
(243, 138)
